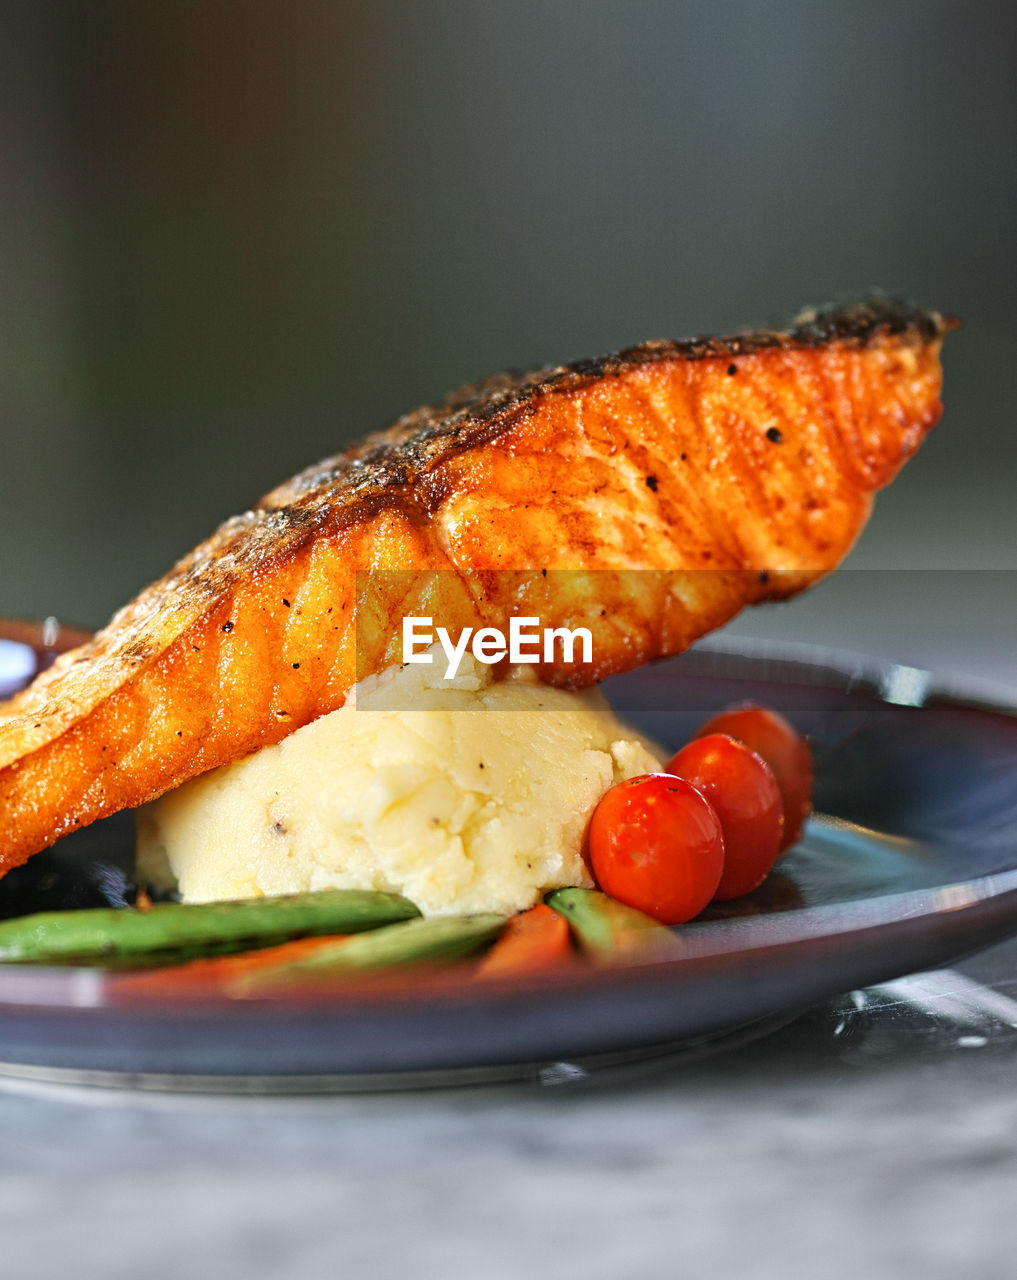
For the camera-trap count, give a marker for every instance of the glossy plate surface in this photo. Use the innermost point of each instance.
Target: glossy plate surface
(912, 864)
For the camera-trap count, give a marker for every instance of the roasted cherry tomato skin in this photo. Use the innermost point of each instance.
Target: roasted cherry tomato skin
(656, 844)
(744, 793)
(784, 749)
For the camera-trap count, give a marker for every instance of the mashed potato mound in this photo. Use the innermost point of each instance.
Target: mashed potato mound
(475, 800)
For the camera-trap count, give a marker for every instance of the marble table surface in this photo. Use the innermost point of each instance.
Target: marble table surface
(875, 1136)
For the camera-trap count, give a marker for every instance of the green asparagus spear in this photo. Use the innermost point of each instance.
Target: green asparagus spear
(438, 938)
(171, 932)
(609, 931)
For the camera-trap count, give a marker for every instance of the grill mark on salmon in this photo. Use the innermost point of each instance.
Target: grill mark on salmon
(754, 456)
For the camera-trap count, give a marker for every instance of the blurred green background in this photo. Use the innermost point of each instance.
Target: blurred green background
(235, 236)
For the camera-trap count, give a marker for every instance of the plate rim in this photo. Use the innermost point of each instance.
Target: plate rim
(967, 914)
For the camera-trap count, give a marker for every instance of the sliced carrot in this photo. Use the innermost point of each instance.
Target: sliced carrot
(532, 941)
(189, 978)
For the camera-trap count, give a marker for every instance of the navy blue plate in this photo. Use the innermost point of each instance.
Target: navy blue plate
(912, 864)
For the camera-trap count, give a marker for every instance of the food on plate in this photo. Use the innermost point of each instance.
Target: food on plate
(610, 932)
(657, 844)
(754, 457)
(208, 973)
(477, 799)
(786, 752)
(172, 932)
(410, 942)
(743, 792)
(534, 941)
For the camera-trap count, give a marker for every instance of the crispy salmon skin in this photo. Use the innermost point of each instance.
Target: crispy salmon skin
(755, 457)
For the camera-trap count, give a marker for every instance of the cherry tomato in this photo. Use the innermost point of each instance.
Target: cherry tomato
(742, 789)
(656, 844)
(785, 751)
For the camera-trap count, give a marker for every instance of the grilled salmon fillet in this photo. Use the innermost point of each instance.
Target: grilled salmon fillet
(739, 469)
